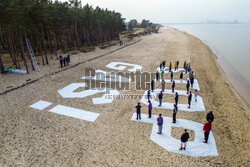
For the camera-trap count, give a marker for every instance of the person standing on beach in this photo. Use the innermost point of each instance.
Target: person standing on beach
(173, 86)
(68, 57)
(184, 139)
(64, 61)
(187, 86)
(162, 73)
(170, 66)
(210, 117)
(164, 64)
(157, 75)
(149, 96)
(172, 75)
(186, 68)
(138, 111)
(152, 85)
(177, 64)
(149, 109)
(181, 76)
(195, 95)
(160, 96)
(162, 85)
(174, 113)
(207, 128)
(61, 61)
(160, 124)
(189, 99)
(192, 80)
(67, 60)
(176, 98)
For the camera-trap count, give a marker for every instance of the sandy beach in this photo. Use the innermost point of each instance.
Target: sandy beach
(39, 138)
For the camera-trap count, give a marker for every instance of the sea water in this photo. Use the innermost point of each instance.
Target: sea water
(231, 43)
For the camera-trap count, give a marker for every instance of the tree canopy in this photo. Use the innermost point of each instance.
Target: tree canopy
(51, 26)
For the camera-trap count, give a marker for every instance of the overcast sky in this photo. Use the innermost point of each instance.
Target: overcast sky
(178, 11)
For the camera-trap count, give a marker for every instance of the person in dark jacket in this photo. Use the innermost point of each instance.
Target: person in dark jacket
(187, 86)
(181, 76)
(184, 139)
(138, 111)
(68, 57)
(177, 64)
(160, 96)
(152, 85)
(164, 64)
(176, 98)
(189, 68)
(184, 65)
(61, 61)
(170, 67)
(174, 113)
(192, 80)
(186, 69)
(207, 128)
(149, 109)
(189, 99)
(1, 66)
(162, 85)
(64, 61)
(149, 96)
(210, 117)
(172, 75)
(67, 61)
(173, 86)
(157, 75)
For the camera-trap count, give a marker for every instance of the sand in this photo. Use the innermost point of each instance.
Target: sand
(31, 137)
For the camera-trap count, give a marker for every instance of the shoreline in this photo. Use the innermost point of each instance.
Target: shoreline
(235, 80)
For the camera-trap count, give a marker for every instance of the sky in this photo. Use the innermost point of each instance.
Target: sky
(178, 11)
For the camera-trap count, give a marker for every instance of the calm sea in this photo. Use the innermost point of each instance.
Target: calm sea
(231, 43)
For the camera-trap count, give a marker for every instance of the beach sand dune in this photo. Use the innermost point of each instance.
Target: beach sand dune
(39, 138)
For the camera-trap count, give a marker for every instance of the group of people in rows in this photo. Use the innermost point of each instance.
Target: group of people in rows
(190, 81)
(64, 61)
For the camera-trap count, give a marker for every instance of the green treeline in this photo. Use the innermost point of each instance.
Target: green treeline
(52, 26)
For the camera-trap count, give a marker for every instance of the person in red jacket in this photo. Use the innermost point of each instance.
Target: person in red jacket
(207, 128)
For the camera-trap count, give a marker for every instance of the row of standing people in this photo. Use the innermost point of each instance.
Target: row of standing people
(176, 65)
(64, 61)
(186, 66)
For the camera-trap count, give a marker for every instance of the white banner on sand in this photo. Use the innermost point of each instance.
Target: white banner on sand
(75, 113)
(69, 92)
(40, 105)
(121, 66)
(194, 148)
(195, 106)
(107, 76)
